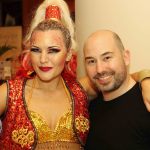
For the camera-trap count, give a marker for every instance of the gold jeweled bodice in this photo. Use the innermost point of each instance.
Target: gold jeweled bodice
(62, 132)
(16, 119)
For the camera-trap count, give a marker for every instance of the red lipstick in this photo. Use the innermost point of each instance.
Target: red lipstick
(45, 69)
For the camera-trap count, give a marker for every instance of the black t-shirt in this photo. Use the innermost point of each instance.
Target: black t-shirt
(120, 124)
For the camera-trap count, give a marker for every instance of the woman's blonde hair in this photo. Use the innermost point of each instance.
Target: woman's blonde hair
(65, 19)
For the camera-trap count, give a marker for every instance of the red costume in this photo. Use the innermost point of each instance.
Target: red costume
(18, 130)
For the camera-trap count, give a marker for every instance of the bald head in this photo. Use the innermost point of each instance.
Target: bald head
(106, 61)
(101, 35)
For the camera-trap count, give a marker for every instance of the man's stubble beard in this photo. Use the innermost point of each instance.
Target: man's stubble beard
(117, 81)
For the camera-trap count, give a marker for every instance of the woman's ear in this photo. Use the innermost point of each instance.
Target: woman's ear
(69, 55)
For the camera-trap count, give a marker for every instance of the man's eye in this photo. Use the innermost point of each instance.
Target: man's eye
(35, 49)
(90, 61)
(107, 58)
(53, 50)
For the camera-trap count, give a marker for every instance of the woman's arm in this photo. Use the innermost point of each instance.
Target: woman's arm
(144, 78)
(145, 84)
(141, 75)
(88, 87)
(3, 96)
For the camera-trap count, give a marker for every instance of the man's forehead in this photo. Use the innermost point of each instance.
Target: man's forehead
(98, 52)
(100, 41)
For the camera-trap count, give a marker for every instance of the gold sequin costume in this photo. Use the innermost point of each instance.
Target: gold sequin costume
(63, 131)
(23, 129)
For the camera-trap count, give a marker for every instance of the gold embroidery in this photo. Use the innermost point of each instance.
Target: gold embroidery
(23, 137)
(82, 123)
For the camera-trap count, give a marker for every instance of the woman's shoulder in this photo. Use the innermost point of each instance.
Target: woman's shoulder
(12, 85)
(16, 81)
(3, 87)
(3, 97)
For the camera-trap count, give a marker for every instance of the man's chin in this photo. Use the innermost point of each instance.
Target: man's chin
(105, 88)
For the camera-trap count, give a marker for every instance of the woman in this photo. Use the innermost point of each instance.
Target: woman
(32, 120)
(47, 109)
(52, 87)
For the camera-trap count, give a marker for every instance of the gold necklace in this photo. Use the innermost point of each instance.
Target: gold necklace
(31, 91)
(33, 86)
(66, 91)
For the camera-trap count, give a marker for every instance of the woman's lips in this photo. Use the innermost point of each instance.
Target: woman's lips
(45, 69)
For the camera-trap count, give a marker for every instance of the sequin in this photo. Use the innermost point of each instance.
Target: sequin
(16, 123)
(82, 123)
(16, 116)
(62, 132)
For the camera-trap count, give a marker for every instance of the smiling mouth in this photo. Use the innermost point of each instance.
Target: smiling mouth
(45, 69)
(104, 79)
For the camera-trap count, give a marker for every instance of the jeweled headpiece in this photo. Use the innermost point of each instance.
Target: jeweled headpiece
(53, 12)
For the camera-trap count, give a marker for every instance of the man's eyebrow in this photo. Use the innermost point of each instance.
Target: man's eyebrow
(89, 57)
(106, 53)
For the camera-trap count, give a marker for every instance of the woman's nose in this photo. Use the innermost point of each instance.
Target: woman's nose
(44, 57)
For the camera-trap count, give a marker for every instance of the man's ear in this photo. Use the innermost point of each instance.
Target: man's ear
(126, 56)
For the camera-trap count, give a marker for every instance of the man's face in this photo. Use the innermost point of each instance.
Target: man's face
(105, 64)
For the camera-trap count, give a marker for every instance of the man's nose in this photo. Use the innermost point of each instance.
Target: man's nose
(100, 66)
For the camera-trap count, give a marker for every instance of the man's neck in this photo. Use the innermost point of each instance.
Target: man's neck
(126, 86)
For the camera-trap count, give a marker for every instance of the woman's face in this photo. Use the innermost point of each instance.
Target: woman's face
(48, 54)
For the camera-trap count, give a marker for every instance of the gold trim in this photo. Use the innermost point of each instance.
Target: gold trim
(82, 123)
(23, 137)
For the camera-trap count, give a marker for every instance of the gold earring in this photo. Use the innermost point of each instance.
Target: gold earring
(69, 55)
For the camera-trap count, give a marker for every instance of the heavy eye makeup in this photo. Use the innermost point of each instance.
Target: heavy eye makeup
(53, 50)
(49, 50)
(35, 49)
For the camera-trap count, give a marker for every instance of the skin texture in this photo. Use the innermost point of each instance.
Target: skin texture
(46, 94)
(48, 50)
(146, 93)
(107, 64)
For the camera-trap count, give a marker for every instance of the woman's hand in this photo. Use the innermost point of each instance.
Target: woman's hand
(145, 84)
(143, 77)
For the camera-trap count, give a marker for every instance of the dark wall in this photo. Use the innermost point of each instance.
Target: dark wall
(10, 12)
(20, 12)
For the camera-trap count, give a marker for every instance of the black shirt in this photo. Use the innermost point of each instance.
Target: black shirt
(120, 124)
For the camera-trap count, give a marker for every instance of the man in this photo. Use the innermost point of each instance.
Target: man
(119, 118)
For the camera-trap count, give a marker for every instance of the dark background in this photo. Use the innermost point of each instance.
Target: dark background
(20, 12)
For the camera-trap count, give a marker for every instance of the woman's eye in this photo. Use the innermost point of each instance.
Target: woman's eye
(35, 49)
(53, 50)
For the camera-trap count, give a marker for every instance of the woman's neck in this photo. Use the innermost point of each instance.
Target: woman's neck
(50, 85)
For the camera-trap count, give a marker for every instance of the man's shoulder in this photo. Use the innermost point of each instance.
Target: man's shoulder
(95, 102)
